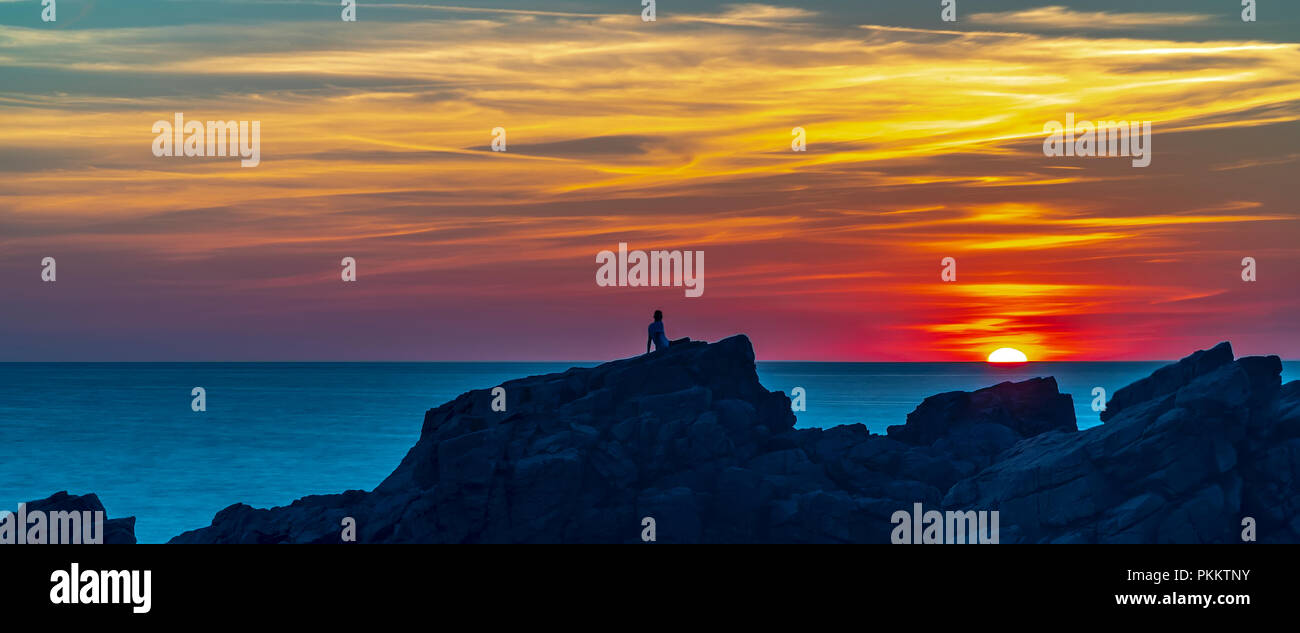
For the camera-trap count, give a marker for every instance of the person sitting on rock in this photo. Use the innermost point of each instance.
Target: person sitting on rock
(657, 335)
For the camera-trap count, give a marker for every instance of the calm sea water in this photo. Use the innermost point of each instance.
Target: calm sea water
(274, 432)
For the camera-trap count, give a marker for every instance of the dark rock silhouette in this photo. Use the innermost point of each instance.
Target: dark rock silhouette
(689, 437)
(116, 531)
(1185, 455)
(1028, 408)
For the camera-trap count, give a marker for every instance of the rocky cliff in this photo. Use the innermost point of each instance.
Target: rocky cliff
(690, 438)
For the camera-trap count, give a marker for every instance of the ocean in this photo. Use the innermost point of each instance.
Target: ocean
(274, 432)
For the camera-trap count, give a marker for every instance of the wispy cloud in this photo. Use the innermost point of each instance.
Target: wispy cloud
(922, 144)
(1065, 18)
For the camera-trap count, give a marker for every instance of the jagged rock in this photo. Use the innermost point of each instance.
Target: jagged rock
(1185, 455)
(689, 437)
(1025, 408)
(116, 531)
(1168, 379)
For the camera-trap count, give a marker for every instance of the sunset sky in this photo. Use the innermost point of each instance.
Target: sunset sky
(924, 142)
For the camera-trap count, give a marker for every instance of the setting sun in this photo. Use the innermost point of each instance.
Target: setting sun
(1007, 355)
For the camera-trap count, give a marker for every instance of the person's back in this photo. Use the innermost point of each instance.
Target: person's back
(657, 334)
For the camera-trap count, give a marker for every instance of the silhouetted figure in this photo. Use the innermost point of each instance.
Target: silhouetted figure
(657, 335)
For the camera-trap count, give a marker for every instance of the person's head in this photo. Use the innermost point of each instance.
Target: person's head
(659, 315)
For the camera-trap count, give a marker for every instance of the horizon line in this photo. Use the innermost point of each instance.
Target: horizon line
(583, 362)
